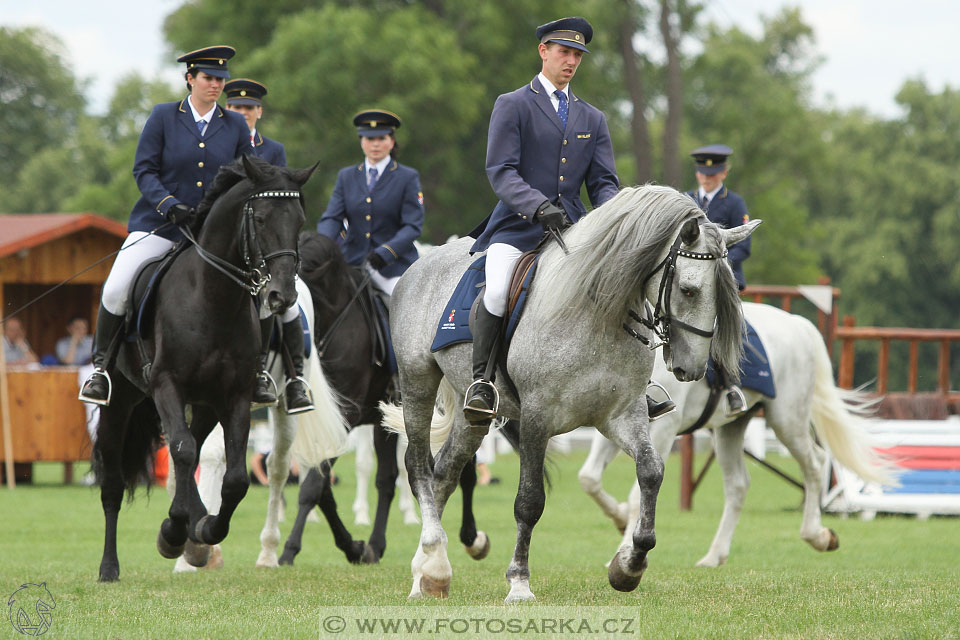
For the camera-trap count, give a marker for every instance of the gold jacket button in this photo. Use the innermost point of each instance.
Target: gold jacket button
(200, 164)
(561, 178)
(368, 217)
(367, 235)
(203, 145)
(199, 184)
(563, 160)
(368, 199)
(564, 142)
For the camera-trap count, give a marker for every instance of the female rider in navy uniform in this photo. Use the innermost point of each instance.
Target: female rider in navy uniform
(245, 96)
(380, 201)
(182, 147)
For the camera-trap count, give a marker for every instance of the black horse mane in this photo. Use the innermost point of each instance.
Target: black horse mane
(229, 175)
(321, 261)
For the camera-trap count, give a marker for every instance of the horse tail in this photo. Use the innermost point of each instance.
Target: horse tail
(322, 433)
(840, 418)
(440, 424)
(143, 437)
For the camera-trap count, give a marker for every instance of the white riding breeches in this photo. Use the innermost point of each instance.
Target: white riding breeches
(382, 282)
(501, 259)
(116, 290)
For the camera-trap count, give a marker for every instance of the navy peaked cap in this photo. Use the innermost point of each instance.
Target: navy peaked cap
(372, 123)
(244, 91)
(212, 60)
(711, 159)
(573, 32)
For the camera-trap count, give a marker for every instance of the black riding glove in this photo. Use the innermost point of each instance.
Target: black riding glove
(181, 215)
(552, 218)
(375, 261)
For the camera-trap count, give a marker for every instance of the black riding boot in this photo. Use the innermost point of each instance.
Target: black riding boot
(659, 409)
(97, 388)
(481, 403)
(736, 403)
(297, 391)
(264, 393)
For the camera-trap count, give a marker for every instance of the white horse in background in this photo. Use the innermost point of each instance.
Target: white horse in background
(310, 437)
(805, 395)
(361, 440)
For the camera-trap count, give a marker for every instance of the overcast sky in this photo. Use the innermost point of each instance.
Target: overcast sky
(870, 47)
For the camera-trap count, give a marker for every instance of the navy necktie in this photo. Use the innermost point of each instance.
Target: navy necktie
(200, 125)
(372, 180)
(705, 203)
(562, 108)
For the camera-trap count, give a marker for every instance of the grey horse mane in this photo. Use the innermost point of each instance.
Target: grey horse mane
(613, 251)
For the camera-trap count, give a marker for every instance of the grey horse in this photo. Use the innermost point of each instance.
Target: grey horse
(577, 357)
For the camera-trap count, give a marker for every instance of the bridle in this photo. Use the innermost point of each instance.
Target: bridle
(660, 320)
(255, 277)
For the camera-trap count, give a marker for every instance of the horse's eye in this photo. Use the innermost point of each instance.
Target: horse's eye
(689, 292)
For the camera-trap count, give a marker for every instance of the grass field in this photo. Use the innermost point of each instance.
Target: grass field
(894, 577)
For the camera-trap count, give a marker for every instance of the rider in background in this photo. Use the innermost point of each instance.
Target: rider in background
(727, 209)
(182, 147)
(245, 96)
(544, 142)
(381, 202)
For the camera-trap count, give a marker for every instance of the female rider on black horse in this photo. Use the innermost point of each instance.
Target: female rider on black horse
(182, 147)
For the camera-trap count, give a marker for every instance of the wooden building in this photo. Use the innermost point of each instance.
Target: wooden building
(37, 253)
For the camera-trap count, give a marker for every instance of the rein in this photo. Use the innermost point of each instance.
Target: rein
(660, 320)
(322, 342)
(255, 277)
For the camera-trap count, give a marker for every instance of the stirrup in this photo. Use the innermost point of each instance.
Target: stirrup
(259, 405)
(103, 403)
(296, 410)
(482, 416)
(731, 411)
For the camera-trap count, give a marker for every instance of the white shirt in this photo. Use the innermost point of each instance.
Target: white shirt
(549, 88)
(380, 167)
(709, 196)
(197, 117)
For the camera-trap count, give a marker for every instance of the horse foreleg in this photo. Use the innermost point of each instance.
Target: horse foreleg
(235, 419)
(385, 445)
(307, 498)
(183, 452)
(477, 543)
(728, 444)
(362, 437)
(629, 563)
(108, 450)
(602, 452)
(527, 509)
(278, 469)
(356, 551)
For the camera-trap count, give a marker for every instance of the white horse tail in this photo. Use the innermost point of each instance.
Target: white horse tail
(440, 424)
(321, 433)
(840, 418)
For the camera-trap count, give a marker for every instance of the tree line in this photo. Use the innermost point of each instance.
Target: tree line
(870, 202)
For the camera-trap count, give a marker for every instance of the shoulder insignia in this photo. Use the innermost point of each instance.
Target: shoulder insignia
(746, 218)
(420, 198)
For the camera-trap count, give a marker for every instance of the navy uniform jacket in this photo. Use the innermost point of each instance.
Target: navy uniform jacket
(386, 220)
(174, 163)
(729, 210)
(269, 150)
(531, 158)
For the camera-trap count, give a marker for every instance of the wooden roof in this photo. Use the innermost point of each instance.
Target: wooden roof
(20, 231)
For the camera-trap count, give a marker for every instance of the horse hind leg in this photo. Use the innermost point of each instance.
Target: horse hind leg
(211, 467)
(602, 452)
(235, 419)
(527, 509)
(405, 497)
(728, 444)
(362, 436)
(307, 498)
(278, 468)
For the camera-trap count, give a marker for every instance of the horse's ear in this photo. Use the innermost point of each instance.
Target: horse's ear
(690, 231)
(300, 176)
(251, 169)
(735, 235)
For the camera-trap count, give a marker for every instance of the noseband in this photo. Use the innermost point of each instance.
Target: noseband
(660, 320)
(255, 277)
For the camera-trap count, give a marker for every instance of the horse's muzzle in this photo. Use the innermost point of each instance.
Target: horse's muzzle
(277, 303)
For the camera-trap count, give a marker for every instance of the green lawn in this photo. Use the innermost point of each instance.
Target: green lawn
(894, 577)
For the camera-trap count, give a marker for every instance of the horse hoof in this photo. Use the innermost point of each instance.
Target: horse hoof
(286, 559)
(109, 574)
(480, 547)
(198, 530)
(167, 550)
(834, 541)
(620, 579)
(369, 555)
(196, 554)
(435, 588)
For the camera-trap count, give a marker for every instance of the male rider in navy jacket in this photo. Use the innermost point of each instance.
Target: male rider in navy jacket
(543, 144)
(245, 96)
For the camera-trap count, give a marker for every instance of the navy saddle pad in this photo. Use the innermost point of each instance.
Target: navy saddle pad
(454, 325)
(143, 291)
(755, 366)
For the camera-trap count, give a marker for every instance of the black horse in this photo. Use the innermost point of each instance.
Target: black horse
(346, 343)
(200, 347)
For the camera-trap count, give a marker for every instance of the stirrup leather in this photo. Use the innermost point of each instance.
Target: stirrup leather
(103, 403)
(296, 410)
(496, 399)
